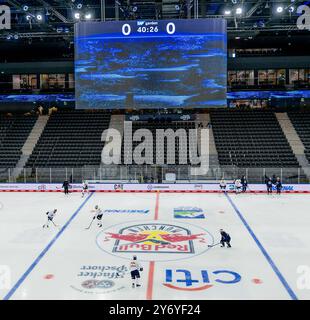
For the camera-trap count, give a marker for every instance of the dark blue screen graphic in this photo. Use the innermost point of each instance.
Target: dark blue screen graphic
(151, 64)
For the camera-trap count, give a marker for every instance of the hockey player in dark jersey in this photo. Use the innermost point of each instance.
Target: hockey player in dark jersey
(65, 185)
(244, 183)
(278, 185)
(269, 185)
(225, 238)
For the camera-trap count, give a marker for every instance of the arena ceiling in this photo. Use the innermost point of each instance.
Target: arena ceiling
(50, 21)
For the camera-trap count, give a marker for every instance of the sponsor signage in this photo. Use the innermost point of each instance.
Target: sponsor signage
(187, 280)
(100, 279)
(131, 187)
(188, 213)
(155, 240)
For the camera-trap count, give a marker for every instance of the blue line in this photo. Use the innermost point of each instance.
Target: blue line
(264, 252)
(42, 254)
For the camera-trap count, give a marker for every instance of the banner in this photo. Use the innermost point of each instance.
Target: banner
(132, 187)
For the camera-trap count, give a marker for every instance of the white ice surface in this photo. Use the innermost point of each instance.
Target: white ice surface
(280, 224)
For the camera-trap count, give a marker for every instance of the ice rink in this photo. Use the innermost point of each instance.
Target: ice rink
(169, 232)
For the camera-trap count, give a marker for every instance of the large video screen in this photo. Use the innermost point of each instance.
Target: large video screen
(151, 64)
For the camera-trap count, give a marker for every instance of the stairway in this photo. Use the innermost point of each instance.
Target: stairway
(117, 123)
(294, 141)
(205, 120)
(29, 145)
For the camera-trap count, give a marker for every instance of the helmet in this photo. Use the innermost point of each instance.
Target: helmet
(96, 207)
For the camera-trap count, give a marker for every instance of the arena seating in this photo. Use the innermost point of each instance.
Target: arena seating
(14, 131)
(251, 139)
(152, 126)
(301, 122)
(70, 139)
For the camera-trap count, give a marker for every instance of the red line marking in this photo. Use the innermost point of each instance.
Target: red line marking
(150, 282)
(149, 292)
(171, 286)
(157, 206)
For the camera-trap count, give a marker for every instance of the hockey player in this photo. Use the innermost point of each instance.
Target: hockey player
(135, 269)
(50, 216)
(244, 183)
(98, 215)
(238, 186)
(85, 188)
(223, 185)
(278, 185)
(225, 238)
(65, 185)
(269, 185)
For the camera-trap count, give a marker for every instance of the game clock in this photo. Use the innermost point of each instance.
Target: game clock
(148, 27)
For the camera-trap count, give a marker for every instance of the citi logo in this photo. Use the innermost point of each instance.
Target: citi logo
(182, 279)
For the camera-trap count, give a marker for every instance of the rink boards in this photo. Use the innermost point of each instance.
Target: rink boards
(137, 187)
(170, 233)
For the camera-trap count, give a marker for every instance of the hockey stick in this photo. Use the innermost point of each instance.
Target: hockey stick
(54, 223)
(213, 245)
(90, 224)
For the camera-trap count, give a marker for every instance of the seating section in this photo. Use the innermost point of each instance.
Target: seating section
(152, 125)
(14, 131)
(251, 139)
(301, 123)
(70, 139)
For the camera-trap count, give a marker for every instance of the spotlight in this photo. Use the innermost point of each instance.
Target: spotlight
(77, 16)
(25, 8)
(291, 9)
(177, 7)
(79, 6)
(227, 12)
(16, 36)
(39, 17)
(134, 9)
(239, 10)
(88, 16)
(234, 1)
(8, 37)
(28, 17)
(279, 9)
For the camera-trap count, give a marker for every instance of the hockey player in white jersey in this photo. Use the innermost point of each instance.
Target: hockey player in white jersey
(85, 188)
(98, 215)
(50, 216)
(135, 269)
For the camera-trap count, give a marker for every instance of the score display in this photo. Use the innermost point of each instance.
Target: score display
(151, 64)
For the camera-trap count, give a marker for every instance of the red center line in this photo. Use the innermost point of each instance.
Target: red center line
(149, 292)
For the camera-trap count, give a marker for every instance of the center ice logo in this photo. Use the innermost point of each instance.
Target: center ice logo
(182, 279)
(155, 241)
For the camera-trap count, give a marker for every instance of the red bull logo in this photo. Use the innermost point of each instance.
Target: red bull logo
(156, 238)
